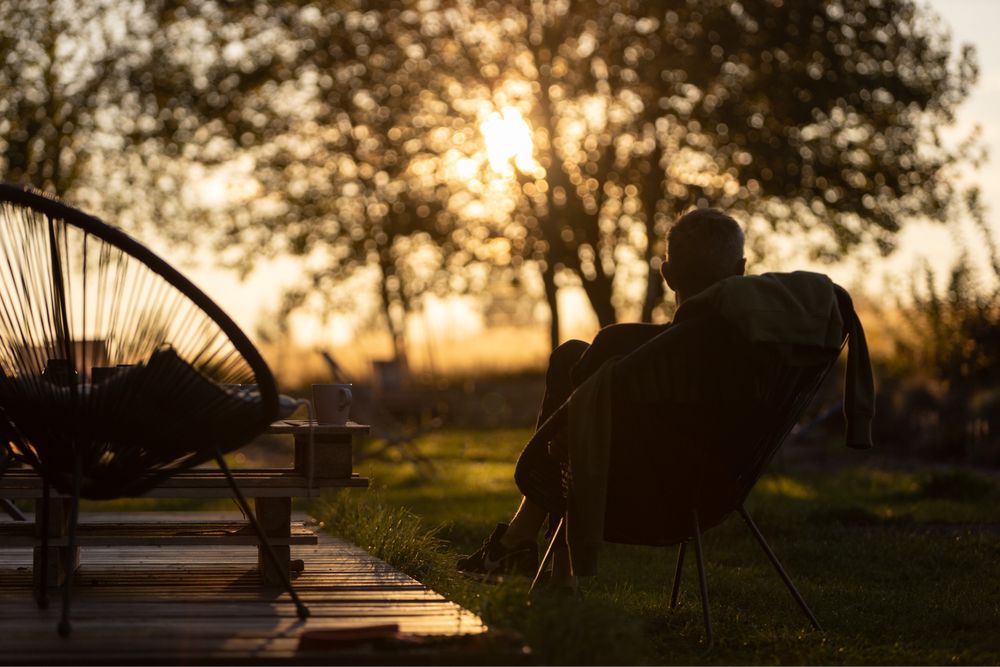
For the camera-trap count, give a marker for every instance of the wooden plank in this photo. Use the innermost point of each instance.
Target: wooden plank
(200, 483)
(156, 534)
(329, 456)
(197, 605)
(302, 427)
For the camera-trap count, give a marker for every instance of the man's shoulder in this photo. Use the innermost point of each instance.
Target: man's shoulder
(626, 328)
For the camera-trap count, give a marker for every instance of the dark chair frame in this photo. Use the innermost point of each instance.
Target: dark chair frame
(815, 374)
(8, 458)
(54, 209)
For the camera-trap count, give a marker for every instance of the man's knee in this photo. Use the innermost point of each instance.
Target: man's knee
(625, 337)
(539, 478)
(567, 354)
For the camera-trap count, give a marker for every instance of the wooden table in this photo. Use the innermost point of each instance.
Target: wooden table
(272, 490)
(331, 464)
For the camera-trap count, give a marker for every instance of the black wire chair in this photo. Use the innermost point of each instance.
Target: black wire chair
(113, 365)
(679, 468)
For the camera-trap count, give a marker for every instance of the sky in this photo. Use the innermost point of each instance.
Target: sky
(971, 21)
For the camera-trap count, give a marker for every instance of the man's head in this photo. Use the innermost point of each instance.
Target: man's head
(703, 247)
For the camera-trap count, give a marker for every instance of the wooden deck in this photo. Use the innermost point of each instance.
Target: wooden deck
(205, 604)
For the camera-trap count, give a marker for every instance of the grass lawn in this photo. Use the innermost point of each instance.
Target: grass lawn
(901, 566)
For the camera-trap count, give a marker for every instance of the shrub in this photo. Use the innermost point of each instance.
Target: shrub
(940, 388)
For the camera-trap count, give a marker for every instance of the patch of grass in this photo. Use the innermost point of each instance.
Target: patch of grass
(160, 505)
(558, 630)
(591, 631)
(852, 515)
(956, 485)
(899, 566)
(391, 533)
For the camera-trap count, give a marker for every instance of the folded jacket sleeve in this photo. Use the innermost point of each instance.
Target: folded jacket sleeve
(859, 382)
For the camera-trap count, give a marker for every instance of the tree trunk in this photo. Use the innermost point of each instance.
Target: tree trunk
(570, 213)
(397, 330)
(652, 194)
(599, 292)
(551, 298)
(654, 290)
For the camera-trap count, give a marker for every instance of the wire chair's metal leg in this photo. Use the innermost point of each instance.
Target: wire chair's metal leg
(42, 594)
(709, 639)
(777, 566)
(7, 506)
(7, 461)
(548, 553)
(677, 574)
(74, 515)
(300, 608)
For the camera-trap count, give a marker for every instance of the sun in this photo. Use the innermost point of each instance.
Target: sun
(508, 141)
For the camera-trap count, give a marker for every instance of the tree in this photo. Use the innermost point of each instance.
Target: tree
(121, 107)
(91, 112)
(359, 122)
(60, 67)
(359, 164)
(819, 119)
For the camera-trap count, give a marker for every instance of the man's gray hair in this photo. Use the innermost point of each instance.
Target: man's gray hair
(704, 246)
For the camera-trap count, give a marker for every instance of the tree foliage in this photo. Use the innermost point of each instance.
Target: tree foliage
(360, 163)
(354, 129)
(64, 68)
(819, 119)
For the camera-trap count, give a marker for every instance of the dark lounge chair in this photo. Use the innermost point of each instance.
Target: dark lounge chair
(681, 467)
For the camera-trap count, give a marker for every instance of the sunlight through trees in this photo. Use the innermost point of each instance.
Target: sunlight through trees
(409, 148)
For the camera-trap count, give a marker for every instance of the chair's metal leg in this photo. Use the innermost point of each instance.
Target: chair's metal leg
(42, 594)
(548, 553)
(74, 515)
(6, 462)
(677, 574)
(777, 566)
(300, 608)
(7, 506)
(709, 639)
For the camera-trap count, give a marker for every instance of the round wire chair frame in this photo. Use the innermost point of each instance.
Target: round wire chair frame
(54, 209)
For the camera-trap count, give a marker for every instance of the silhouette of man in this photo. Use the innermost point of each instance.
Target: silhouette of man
(704, 246)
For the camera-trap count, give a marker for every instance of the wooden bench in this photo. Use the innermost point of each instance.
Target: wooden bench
(272, 490)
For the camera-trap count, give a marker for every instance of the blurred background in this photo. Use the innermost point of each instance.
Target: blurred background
(425, 196)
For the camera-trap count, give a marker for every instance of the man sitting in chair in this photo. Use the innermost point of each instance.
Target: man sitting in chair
(704, 247)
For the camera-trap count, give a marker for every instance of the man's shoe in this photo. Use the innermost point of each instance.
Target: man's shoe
(494, 561)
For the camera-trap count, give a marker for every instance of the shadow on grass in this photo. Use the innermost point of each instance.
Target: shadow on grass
(559, 630)
(896, 564)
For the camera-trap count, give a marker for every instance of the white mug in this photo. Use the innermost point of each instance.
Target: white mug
(332, 403)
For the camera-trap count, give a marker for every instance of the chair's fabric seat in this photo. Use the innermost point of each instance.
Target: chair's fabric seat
(655, 472)
(672, 456)
(151, 417)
